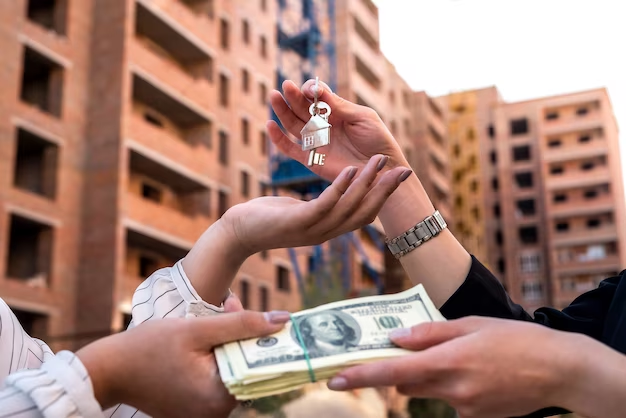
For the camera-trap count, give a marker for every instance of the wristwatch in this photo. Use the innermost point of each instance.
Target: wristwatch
(416, 236)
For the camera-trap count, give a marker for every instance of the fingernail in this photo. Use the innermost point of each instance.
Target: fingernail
(382, 163)
(351, 173)
(337, 383)
(405, 175)
(399, 333)
(315, 89)
(277, 317)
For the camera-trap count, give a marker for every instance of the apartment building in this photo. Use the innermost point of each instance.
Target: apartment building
(128, 128)
(45, 113)
(583, 194)
(538, 190)
(472, 169)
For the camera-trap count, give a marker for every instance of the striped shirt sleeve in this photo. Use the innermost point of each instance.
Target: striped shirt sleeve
(39, 384)
(167, 293)
(60, 388)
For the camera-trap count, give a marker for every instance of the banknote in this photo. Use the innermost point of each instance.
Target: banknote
(319, 342)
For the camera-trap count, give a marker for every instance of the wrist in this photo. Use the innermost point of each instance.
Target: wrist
(214, 260)
(596, 381)
(101, 359)
(407, 206)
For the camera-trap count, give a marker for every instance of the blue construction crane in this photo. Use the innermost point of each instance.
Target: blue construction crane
(309, 43)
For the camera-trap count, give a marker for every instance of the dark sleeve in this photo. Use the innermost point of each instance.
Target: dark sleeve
(482, 294)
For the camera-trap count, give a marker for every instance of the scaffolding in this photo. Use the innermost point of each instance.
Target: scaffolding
(306, 36)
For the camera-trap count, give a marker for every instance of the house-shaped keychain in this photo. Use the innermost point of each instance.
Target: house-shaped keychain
(315, 134)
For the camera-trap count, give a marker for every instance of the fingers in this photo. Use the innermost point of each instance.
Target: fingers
(233, 304)
(344, 207)
(365, 211)
(297, 101)
(398, 371)
(341, 203)
(318, 209)
(290, 120)
(341, 107)
(360, 187)
(423, 336)
(283, 143)
(220, 329)
(413, 371)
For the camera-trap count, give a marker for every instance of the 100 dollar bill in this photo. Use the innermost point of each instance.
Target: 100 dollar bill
(333, 335)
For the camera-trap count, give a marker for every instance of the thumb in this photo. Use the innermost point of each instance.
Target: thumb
(233, 304)
(340, 107)
(423, 336)
(224, 328)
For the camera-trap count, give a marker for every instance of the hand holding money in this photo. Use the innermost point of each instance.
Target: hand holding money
(320, 342)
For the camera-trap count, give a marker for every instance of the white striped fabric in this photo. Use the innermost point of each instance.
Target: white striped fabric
(38, 383)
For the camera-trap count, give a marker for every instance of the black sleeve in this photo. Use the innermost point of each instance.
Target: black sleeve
(482, 294)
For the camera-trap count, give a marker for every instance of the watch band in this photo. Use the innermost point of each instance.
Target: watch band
(416, 236)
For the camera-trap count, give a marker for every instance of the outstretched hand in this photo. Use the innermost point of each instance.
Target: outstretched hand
(349, 203)
(483, 367)
(357, 132)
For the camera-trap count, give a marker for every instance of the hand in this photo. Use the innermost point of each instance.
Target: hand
(167, 368)
(280, 222)
(357, 132)
(483, 367)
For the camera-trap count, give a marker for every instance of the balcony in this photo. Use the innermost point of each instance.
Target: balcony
(164, 142)
(42, 82)
(48, 14)
(367, 13)
(36, 161)
(170, 52)
(29, 251)
(565, 126)
(599, 175)
(146, 253)
(436, 125)
(437, 150)
(593, 149)
(182, 19)
(366, 95)
(582, 266)
(367, 73)
(184, 113)
(438, 179)
(365, 34)
(585, 236)
(168, 200)
(165, 220)
(582, 207)
(370, 57)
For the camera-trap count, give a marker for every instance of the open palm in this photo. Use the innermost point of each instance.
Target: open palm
(357, 132)
(350, 202)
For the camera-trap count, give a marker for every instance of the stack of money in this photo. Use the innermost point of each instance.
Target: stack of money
(320, 342)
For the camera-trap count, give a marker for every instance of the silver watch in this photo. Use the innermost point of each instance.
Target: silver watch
(416, 236)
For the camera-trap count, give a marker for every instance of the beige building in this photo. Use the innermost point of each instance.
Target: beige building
(538, 190)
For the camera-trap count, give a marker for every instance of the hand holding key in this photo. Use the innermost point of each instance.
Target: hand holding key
(357, 132)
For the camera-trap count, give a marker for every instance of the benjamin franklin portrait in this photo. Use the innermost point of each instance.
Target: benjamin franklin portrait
(328, 333)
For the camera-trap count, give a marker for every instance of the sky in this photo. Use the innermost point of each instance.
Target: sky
(527, 48)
